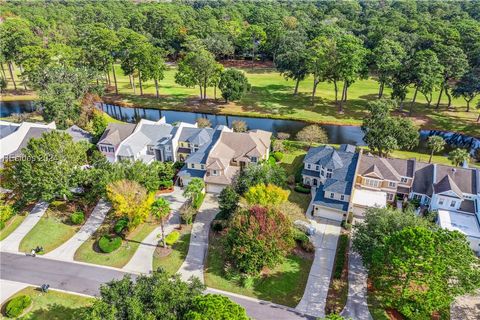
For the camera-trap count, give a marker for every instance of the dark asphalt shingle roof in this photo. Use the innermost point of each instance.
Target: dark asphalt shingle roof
(201, 155)
(327, 202)
(31, 133)
(193, 173)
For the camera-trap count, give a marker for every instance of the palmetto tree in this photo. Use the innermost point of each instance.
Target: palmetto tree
(459, 156)
(435, 144)
(161, 210)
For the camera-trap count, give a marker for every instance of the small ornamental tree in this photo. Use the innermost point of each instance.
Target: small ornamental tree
(258, 238)
(239, 126)
(253, 175)
(215, 307)
(233, 84)
(194, 189)
(203, 123)
(228, 202)
(459, 156)
(311, 134)
(129, 199)
(435, 144)
(266, 195)
(161, 210)
(420, 270)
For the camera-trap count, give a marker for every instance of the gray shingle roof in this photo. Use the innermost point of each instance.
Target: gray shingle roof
(7, 129)
(197, 136)
(192, 173)
(201, 155)
(447, 184)
(116, 133)
(327, 202)
(148, 134)
(31, 133)
(78, 134)
(326, 156)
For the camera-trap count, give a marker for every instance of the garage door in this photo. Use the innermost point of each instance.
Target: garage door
(214, 188)
(322, 212)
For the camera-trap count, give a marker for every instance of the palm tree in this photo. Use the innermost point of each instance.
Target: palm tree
(161, 210)
(194, 189)
(435, 144)
(459, 156)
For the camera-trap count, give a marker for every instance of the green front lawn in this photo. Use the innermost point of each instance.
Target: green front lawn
(53, 229)
(12, 224)
(54, 305)
(172, 258)
(284, 285)
(89, 251)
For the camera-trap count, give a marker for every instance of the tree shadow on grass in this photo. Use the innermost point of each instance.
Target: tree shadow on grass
(56, 312)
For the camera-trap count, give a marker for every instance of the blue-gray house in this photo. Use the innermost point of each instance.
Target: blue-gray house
(331, 173)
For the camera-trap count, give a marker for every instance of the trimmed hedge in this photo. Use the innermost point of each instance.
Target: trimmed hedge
(340, 256)
(120, 225)
(109, 244)
(301, 189)
(278, 156)
(78, 217)
(17, 306)
(172, 237)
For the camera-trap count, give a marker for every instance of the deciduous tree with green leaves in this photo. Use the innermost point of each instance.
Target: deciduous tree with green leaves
(233, 84)
(197, 68)
(228, 202)
(312, 134)
(215, 307)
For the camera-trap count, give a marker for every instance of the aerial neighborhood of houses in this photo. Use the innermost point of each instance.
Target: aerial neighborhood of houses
(344, 180)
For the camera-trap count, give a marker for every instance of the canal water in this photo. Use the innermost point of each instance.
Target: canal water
(336, 134)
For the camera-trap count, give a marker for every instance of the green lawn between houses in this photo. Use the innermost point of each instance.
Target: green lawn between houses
(271, 96)
(89, 252)
(178, 252)
(54, 305)
(284, 285)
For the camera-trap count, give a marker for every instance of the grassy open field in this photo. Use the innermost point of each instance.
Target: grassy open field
(272, 96)
(52, 305)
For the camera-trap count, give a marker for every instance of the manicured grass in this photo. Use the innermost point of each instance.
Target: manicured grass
(272, 96)
(284, 285)
(11, 225)
(89, 251)
(172, 262)
(53, 229)
(54, 305)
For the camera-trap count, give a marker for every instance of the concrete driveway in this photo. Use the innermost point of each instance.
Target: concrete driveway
(325, 242)
(197, 251)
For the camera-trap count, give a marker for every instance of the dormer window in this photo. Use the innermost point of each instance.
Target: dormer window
(317, 168)
(404, 180)
(202, 166)
(214, 173)
(254, 159)
(192, 165)
(309, 166)
(332, 195)
(453, 203)
(391, 184)
(342, 197)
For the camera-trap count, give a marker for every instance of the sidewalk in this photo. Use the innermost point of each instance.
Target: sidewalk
(325, 242)
(67, 250)
(9, 288)
(194, 262)
(12, 242)
(142, 260)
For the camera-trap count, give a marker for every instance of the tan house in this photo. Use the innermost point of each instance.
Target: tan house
(232, 153)
(381, 180)
(218, 162)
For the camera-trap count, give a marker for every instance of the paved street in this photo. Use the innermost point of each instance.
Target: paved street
(67, 250)
(325, 242)
(142, 260)
(12, 242)
(194, 262)
(86, 279)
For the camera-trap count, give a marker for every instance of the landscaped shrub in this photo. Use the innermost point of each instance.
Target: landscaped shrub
(186, 213)
(172, 237)
(302, 189)
(272, 160)
(17, 305)
(303, 240)
(109, 244)
(278, 155)
(340, 256)
(78, 217)
(217, 226)
(198, 201)
(120, 225)
(167, 184)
